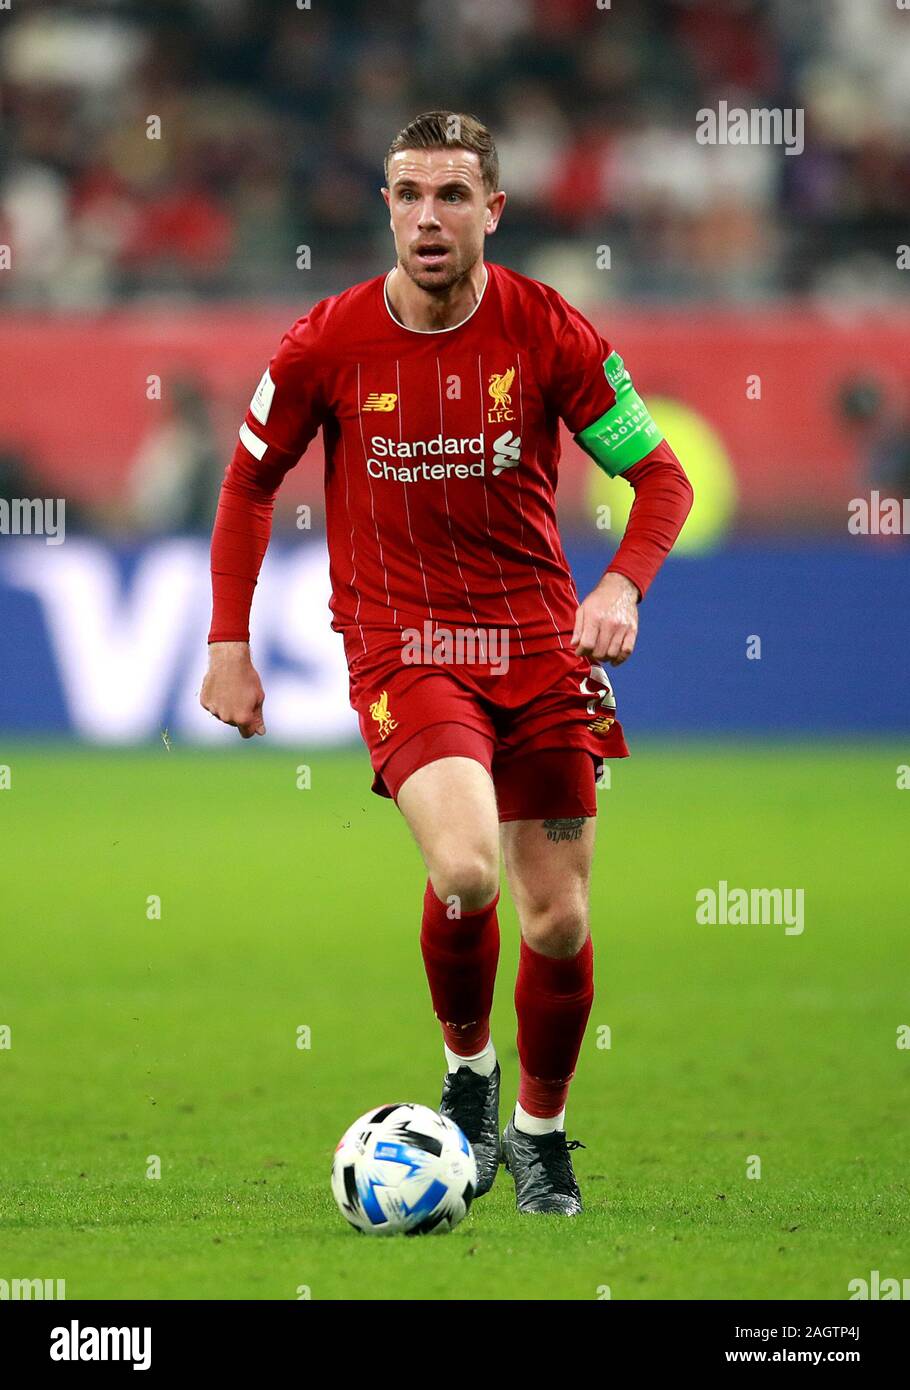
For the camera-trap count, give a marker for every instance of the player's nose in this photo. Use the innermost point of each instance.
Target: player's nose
(428, 217)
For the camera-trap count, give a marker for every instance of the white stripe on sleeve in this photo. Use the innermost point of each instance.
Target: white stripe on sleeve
(251, 441)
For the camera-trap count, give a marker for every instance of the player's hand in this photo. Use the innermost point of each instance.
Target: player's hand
(606, 623)
(232, 690)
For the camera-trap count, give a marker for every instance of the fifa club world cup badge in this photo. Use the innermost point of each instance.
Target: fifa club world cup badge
(379, 709)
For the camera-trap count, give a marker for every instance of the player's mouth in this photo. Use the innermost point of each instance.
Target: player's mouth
(431, 253)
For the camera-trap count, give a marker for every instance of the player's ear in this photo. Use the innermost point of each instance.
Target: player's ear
(495, 204)
(386, 197)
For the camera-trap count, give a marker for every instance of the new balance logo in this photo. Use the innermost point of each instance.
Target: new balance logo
(380, 400)
(506, 452)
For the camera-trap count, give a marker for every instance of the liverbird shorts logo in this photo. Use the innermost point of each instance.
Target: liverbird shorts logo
(379, 709)
(499, 388)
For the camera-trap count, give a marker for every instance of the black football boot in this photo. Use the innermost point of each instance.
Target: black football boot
(542, 1169)
(472, 1101)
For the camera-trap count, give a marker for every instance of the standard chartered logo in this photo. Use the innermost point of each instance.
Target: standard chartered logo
(428, 460)
(507, 452)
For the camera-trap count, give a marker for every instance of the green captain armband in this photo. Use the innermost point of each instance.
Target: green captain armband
(625, 433)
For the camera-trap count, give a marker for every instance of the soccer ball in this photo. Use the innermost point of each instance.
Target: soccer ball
(404, 1169)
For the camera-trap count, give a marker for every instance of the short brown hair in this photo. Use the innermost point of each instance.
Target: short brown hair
(445, 130)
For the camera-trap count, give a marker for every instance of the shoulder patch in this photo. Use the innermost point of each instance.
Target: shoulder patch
(261, 403)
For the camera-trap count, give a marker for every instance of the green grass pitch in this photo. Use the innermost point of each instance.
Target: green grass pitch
(282, 908)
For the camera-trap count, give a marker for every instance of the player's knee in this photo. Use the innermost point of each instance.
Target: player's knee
(470, 875)
(557, 929)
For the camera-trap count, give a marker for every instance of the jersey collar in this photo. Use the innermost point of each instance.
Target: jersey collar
(452, 327)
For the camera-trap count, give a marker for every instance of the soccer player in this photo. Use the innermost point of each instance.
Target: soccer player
(474, 669)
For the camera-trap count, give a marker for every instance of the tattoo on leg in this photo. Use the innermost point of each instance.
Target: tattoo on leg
(569, 829)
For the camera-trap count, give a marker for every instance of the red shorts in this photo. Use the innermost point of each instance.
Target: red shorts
(541, 729)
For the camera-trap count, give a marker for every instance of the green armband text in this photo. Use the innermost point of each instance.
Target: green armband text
(625, 433)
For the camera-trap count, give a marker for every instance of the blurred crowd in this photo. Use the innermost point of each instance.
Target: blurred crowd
(275, 116)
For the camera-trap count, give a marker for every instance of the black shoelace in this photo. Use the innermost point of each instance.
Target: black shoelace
(554, 1159)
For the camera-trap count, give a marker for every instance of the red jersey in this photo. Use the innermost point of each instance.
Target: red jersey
(441, 462)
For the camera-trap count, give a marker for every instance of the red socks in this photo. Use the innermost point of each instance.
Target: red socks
(461, 955)
(553, 999)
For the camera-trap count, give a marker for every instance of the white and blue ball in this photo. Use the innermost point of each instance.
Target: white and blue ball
(404, 1170)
